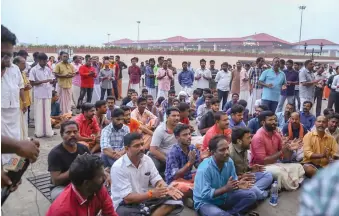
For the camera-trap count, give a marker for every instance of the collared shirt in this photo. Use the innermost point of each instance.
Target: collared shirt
(130, 179)
(186, 78)
(228, 105)
(335, 83)
(202, 110)
(134, 73)
(223, 80)
(214, 72)
(149, 81)
(213, 131)
(210, 178)
(239, 157)
(112, 138)
(234, 124)
(64, 69)
(319, 195)
(244, 84)
(254, 75)
(109, 112)
(87, 127)
(177, 159)
(131, 104)
(55, 109)
(269, 76)
(307, 120)
(322, 77)
(107, 83)
(281, 119)
(27, 93)
(264, 145)
(76, 79)
(306, 91)
(165, 82)
(253, 125)
(11, 83)
(292, 76)
(165, 105)
(87, 80)
(145, 117)
(314, 144)
(43, 90)
(71, 202)
(200, 101)
(163, 139)
(202, 82)
(335, 135)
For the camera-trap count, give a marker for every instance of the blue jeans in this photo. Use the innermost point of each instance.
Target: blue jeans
(272, 105)
(108, 162)
(235, 203)
(262, 181)
(290, 99)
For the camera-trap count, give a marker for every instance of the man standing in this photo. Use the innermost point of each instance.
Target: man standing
(203, 75)
(42, 78)
(174, 71)
(292, 79)
(223, 80)
(134, 73)
(214, 72)
(306, 117)
(186, 79)
(165, 75)
(87, 74)
(255, 88)
(76, 82)
(106, 78)
(155, 69)
(307, 83)
(64, 71)
(122, 66)
(235, 82)
(143, 70)
(296, 67)
(150, 78)
(319, 89)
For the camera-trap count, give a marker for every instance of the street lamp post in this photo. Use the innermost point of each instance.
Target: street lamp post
(108, 34)
(138, 30)
(302, 8)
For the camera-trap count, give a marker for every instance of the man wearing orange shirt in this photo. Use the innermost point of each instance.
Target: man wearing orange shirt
(87, 74)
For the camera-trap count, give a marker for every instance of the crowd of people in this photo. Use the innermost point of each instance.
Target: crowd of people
(216, 148)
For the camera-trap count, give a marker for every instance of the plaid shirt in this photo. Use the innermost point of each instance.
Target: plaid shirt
(254, 75)
(177, 159)
(320, 194)
(110, 138)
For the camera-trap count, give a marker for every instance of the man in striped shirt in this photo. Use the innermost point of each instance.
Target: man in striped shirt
(255, 88)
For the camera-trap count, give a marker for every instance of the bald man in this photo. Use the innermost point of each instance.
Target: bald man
(293, 129)
(319, 148)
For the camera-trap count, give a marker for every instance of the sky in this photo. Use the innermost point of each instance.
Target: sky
(87, 22)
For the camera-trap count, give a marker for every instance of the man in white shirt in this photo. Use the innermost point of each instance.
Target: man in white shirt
(203, 75)
(132, 174)
(335, 87)
(223, 80)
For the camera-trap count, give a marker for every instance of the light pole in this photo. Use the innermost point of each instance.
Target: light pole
(138, 30)
(302, 8)
(108, 34)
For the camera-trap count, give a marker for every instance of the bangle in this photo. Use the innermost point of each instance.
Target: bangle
(150, 194)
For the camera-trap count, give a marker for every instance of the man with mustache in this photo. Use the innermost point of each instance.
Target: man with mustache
(207, 120)
(112, 138)
(217, 190)
(306, 117)
(89, 130)
(61, 157)
(111, 106)
(268, 149)
(332, 127)
(86, 194)
(283, 117)
(133, 173)
(319, 148)
(150, 105)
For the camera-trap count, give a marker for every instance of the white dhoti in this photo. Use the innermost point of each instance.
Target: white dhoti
(244, 95)
(75, 95)
(42, 117)
(256, 95)
(96, 93)
(153, 92)
(136, 87)
(162, 93)
(188, 90)
(65, 100)
(24, 125)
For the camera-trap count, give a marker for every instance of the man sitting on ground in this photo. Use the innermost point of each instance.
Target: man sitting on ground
(132, 174)
(221, 127)
(319, 148)
(202, 99)
(62, 155)
(144, 93)
(111, 106)
(229, 104)
(112, 138)
(241, 140)
(207, 121)
(143, 115)
(167, 103)
(163, 139)
(135, 126)
(254, 123)
(128, 98)
(180, 161)
(150, 105)
(246, 111)
(89, 130)
(133, 102)
(56, 117)
(237, 115)
(306, 117)
(283, 117)
(268, 149)
(184, 109)
(86, 195)
(217, 190)
(332, 128)
(100, 114)
(204, 108)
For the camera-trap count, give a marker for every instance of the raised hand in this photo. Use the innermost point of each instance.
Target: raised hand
(231, 185)
(192, 156)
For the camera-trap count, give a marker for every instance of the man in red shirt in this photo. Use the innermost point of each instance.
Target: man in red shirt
(134, 73)
(89, 130)
(86, 194)
(87, 75)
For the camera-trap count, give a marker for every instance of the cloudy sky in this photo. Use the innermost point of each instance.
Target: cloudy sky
(87, 22)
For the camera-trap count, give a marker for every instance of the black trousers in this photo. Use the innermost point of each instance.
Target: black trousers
(83, 92)
(336, 102)
(331, 99)
(318, 97)
(222, 95)
(115, 88)
(103, 91)
(297, 97)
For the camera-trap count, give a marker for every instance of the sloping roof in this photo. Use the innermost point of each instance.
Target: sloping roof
(316, 42)
(265, 37)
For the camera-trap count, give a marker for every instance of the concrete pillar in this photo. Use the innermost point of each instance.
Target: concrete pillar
(215, 47)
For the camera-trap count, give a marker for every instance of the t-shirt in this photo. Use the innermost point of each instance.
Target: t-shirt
(306, 91)
(163, 139)
(126, 100)
(59, 159)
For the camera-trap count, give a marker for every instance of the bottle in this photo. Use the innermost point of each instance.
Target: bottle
(274, 194)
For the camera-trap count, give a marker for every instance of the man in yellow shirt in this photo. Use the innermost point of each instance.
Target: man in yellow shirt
(65, 72)
(319, 148)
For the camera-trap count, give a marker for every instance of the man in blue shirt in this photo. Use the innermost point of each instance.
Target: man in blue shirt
(201, 100)
(237, 115)
(306, 117)
(186, 79)
(217, 190)
(150, 78)
(229, 104)
(254, 124)
(272, 80)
